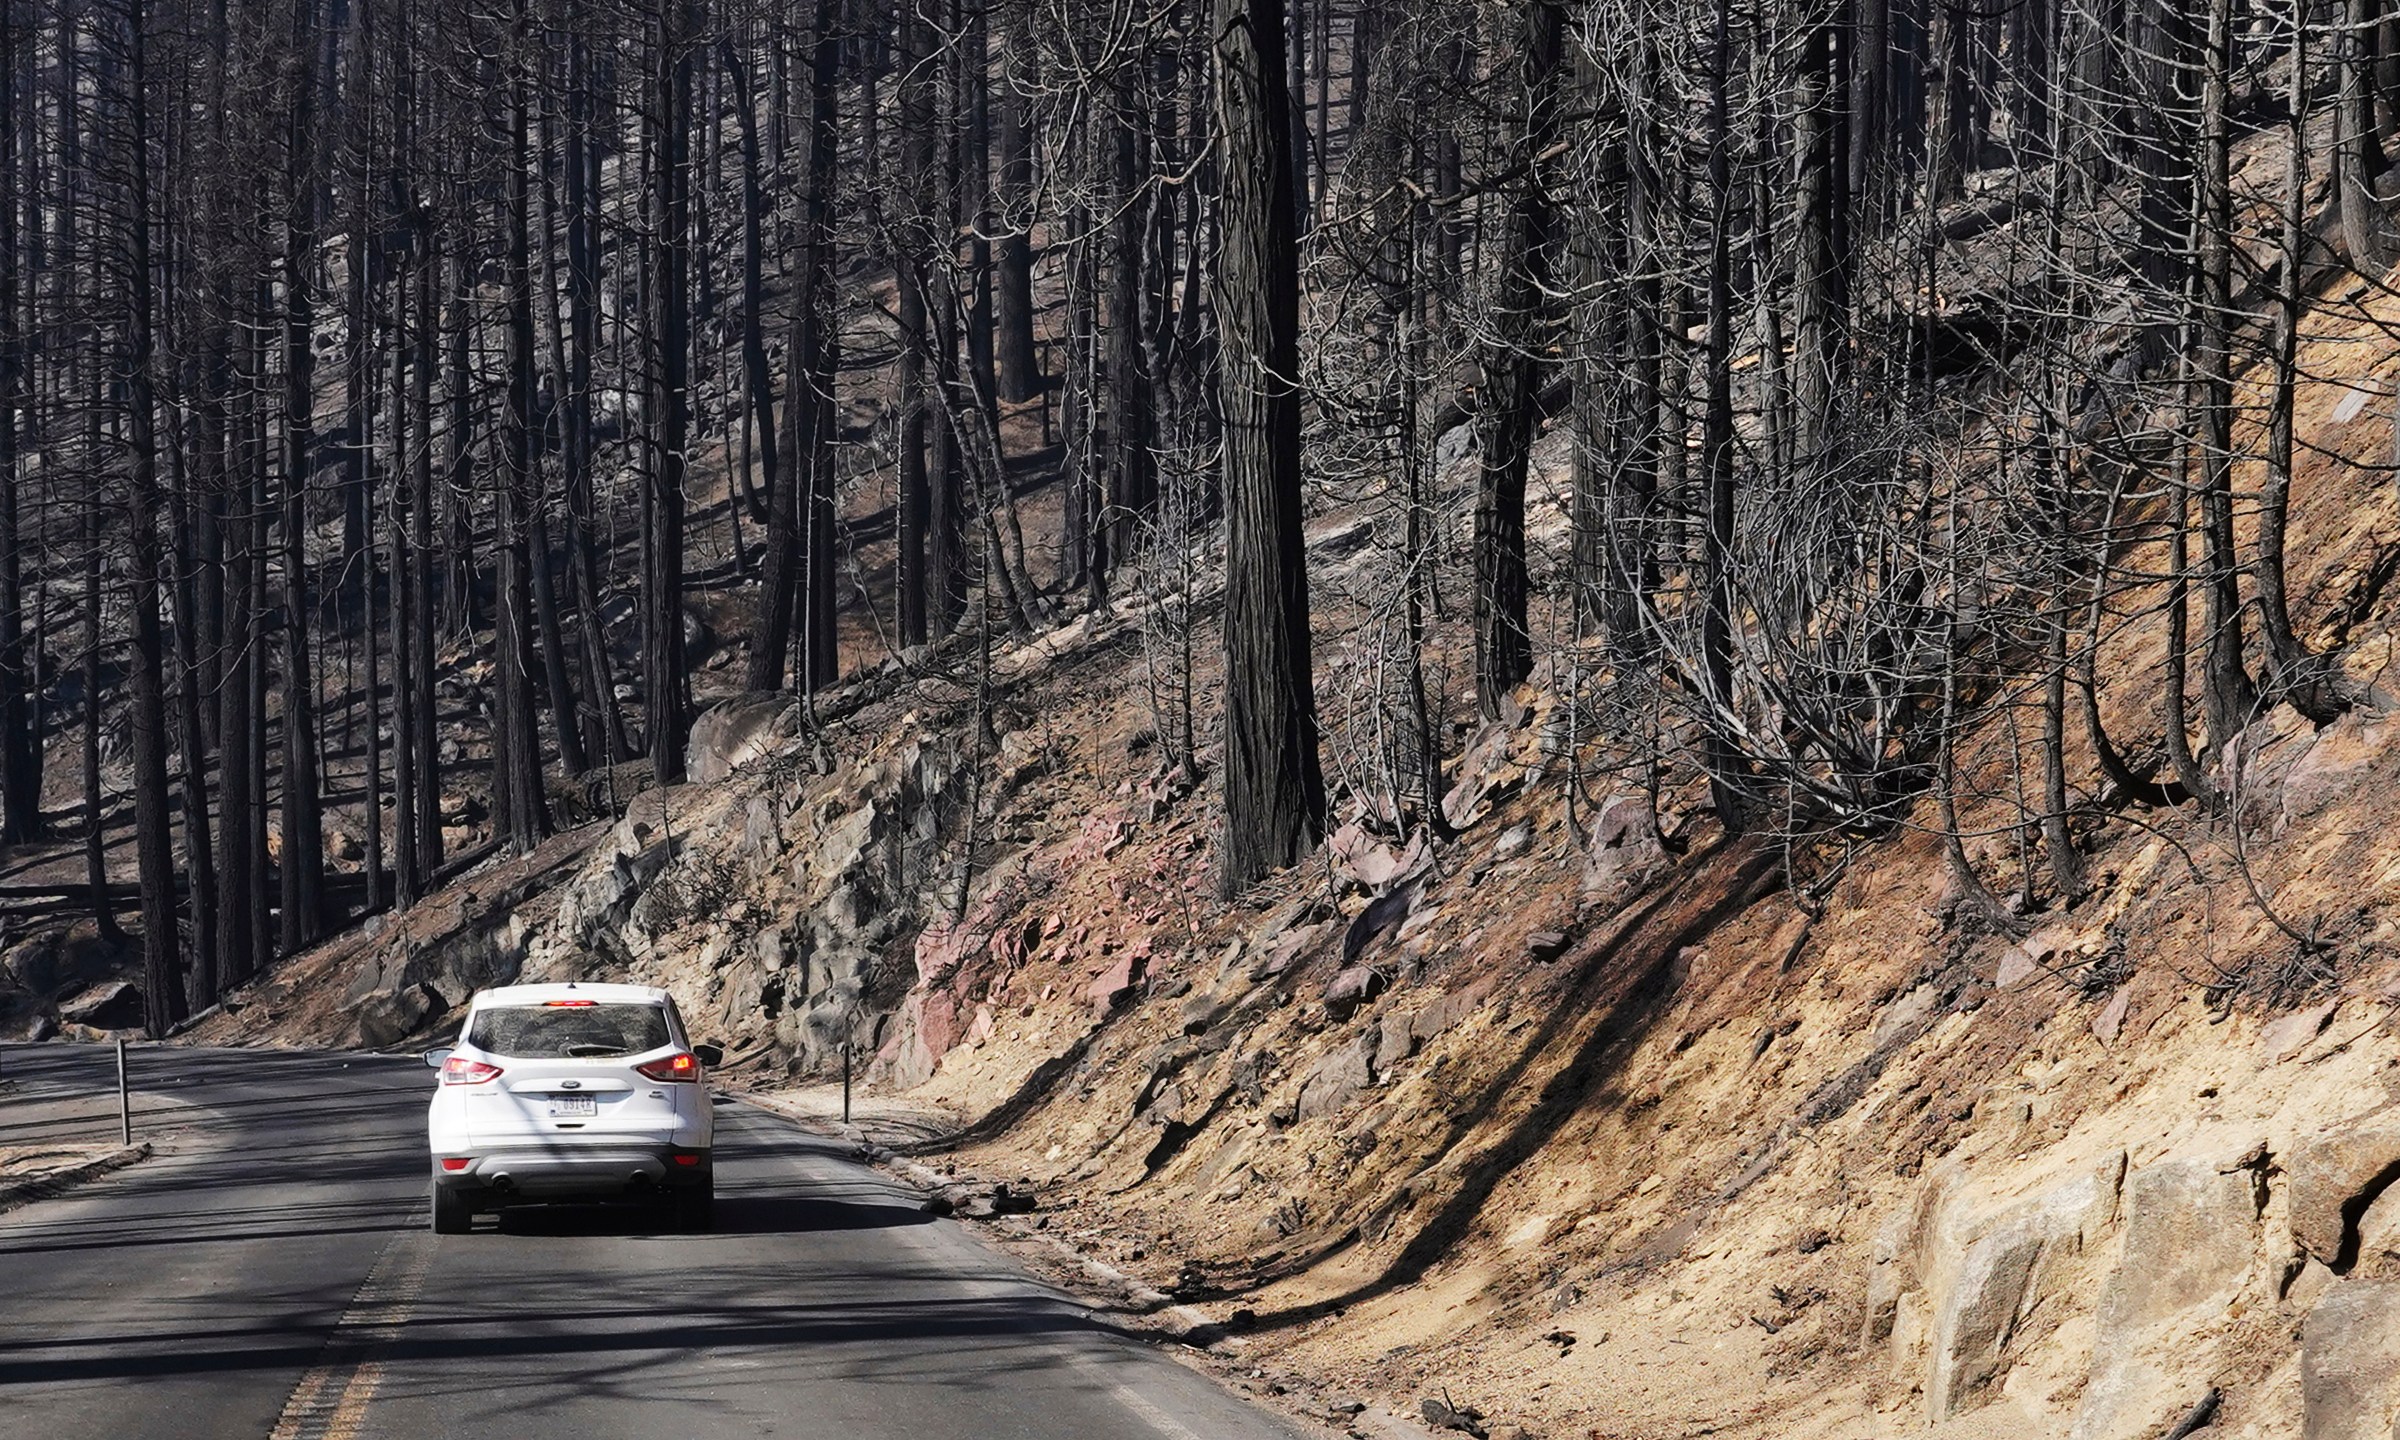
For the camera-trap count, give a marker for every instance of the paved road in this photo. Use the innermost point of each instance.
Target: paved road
(270, 1274)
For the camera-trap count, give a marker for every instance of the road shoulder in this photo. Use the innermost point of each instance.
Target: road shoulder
(30, 1173)
(1124, 1302)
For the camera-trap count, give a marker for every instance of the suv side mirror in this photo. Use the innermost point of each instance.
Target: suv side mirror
(710, 1055)
(435, 1056)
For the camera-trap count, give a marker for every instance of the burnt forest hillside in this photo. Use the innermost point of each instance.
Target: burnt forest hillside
(1594, 719)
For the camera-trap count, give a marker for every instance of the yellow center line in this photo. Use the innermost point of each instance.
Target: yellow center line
(330, 1401)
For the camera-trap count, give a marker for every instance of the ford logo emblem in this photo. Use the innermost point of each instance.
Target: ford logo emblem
(570, 1084)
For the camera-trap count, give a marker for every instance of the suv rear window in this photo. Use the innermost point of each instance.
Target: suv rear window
(560, 1032)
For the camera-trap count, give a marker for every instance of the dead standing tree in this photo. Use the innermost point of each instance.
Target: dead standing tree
(1274, 791)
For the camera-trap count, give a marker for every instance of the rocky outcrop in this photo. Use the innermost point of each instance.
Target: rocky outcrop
(777, 903)
(455, 943)
(2335, 762)
(1625, 856)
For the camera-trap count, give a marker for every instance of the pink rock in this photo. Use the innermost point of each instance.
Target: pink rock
(2111, 1018)
(2284, 1038)
(937, 1023)
(1112, 986)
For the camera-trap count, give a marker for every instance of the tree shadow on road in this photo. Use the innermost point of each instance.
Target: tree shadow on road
(790, 1213)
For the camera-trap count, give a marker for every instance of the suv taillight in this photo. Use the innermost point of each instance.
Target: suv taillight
(684, 1066)
(459, 1070)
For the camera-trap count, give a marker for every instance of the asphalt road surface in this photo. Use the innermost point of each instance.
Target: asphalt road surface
(269, 1274)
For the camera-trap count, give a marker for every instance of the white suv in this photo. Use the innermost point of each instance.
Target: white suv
(571, 1092)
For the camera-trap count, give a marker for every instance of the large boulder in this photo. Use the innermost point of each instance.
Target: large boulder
(57, 963)
(1626, 855)
(109, 1005)
(736, 731)
(2191, 1233)
(1351, 988)
(2334, 1176)
(2191, 1242)
(1977, 1317)
(34, 964)
(2337, 760)
(2379, 1238)
(2018, 1257)
(386, 1017)
(2350, 1364)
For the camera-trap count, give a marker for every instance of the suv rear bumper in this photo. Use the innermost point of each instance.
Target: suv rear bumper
(547, 1172)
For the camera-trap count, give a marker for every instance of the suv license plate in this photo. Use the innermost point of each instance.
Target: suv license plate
(564, 1106)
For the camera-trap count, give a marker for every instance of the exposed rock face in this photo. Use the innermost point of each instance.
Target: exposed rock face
(465, 943)
(1974, 1323)
(2350, 1364)
(1975, 1277)
(57, 963)
(2335, 1176)
(1351, 988)
(2191, 1241)
(2191, 1231)
(777, 904)
(2379, 1238)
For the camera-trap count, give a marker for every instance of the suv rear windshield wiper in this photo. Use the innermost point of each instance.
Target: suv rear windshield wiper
(589, 1052)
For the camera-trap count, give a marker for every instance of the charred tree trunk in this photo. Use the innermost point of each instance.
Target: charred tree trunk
(2360, 158)
(153, 822)
(1019, 370)
(818, 332)
(2296, 673)
(1512, 368)
(424, 728)
(1274, 795)
(20, 739)
(302, 864)
(1132, 468)
(2231, 695)
(520, 813)
(666, 411)
(1716, 449)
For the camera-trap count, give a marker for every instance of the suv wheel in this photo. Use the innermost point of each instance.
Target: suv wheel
(452, 1215)
(695, 1207)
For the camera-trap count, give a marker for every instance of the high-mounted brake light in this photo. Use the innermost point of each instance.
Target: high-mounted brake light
(459, 1070)
(683, 1066)
(569, 1004)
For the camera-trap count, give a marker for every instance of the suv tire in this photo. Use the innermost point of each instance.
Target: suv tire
(694, 1208)
(452, 1214)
